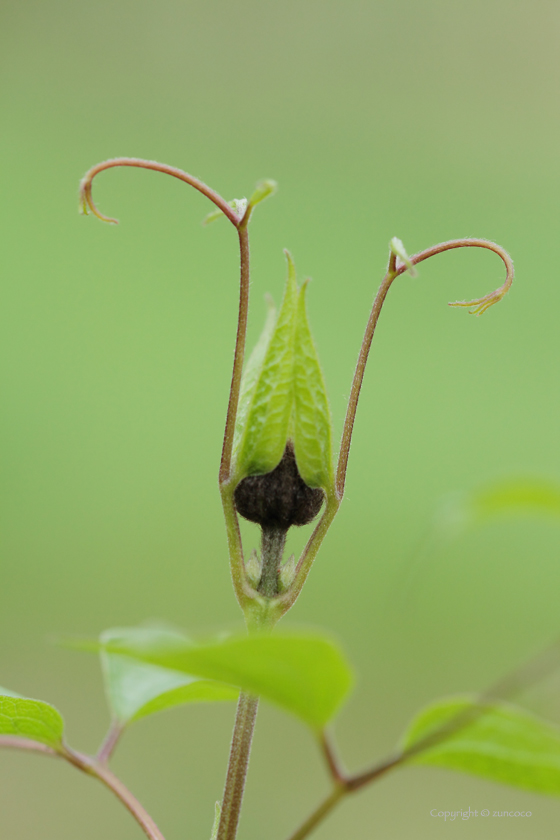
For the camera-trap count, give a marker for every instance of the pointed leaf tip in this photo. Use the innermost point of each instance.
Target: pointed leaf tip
(291, 266)
(399, 251)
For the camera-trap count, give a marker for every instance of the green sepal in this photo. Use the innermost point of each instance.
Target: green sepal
(252, 371)
(266, 411)
(283, 397)
(497, 741)
(312, 416)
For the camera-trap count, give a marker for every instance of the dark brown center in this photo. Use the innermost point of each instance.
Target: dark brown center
(279, 498)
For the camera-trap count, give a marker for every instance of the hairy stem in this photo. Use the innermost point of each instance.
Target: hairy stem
(273, 541)
(480, 305)
(246, 596)
(86, 199)
(239, 355)
(241, 225)
(238, 765)
(243, 591)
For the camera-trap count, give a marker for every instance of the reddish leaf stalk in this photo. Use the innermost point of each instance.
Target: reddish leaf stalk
(92, 767)
(393, 271)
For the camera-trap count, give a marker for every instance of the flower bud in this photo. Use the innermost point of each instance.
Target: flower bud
(282, 446)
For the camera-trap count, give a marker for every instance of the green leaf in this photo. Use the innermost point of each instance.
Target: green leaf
(30, 719)
(263, 190)
(399, 250)
(136, 690)
(516, 496)
(313, 427)
(304, 674)
(265, 432)
(499, 742)
(504, 498)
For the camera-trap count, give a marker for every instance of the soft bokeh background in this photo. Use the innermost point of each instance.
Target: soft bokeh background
(424, 120)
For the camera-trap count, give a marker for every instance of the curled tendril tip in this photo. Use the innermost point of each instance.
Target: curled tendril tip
(483, 303)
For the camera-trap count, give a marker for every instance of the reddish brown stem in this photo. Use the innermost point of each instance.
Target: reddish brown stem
(111, 740)
(86, 199)
(239, 355)
(238, 765)
(331, 759)
(319, 814)
(12, 742)
(480, 304)
(91, 767)
(240, 223)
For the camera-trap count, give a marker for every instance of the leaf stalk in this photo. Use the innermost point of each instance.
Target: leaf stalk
(393, 271)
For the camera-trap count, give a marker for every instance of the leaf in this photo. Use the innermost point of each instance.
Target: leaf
(136, 690)
(399, 250)
(304, 674)
(514, 496)
(500, 742)
(263, 190)
(506, 497)
(265, 432)
(30, 719)
(313, 427)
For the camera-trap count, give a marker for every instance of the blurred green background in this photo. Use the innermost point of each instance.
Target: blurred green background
(424, 120)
